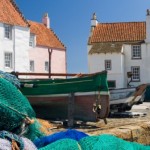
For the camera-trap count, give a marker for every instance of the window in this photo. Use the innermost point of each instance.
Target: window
(111, 84)
(8, 31)
(107, 64)
(31, 40)
(8, 60)
(31, 65)
(135, 73)
(46, 66)
(136, 51)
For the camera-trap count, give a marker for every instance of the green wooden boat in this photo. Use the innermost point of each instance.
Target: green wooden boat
(44, 87)
(50, 96)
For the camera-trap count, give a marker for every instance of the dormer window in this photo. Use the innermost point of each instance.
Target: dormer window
(8, 31)
(136, 52)
(31, 40)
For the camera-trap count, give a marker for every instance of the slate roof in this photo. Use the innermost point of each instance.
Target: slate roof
(44, 36)
(106, 47)
(119, 32)
(10, 14)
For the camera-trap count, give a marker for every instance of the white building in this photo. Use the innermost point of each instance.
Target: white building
(27, 46)
(14, 38)
(123, 49)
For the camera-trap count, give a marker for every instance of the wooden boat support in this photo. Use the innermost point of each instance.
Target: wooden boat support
(71, 110)
(83, 98)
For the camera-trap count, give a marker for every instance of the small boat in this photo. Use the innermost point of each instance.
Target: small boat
(62, 98)
(123, 99)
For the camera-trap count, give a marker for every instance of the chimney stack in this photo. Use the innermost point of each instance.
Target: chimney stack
(46, 20)
(148, 26)
(94, 21)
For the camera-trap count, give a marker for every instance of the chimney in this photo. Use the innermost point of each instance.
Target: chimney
(46, 20)
(94, 21)
(148, 26)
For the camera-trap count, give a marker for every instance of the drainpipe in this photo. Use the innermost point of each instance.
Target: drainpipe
(14, 51)
(50, 56)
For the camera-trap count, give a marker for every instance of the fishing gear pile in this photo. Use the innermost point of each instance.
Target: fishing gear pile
(17, 115)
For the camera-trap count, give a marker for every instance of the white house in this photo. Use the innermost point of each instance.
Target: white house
(14, 38)
(27, 46)
(123, 49)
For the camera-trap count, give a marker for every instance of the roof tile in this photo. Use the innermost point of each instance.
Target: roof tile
(10, 14)
(44, 36)
(119, 32)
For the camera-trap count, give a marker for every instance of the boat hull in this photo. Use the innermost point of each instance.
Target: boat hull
(56, 106)
(51, 99)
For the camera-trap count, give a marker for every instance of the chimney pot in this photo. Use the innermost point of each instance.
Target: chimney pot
(148, 12)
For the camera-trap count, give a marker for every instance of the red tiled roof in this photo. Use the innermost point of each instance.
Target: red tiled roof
(10, 14)
(44, 36)
(119, 32)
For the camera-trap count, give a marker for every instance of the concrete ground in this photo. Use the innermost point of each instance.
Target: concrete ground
(135, 128)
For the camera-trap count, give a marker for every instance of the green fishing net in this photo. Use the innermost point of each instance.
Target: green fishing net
(14, 108)
(63, 144)
(109, 142)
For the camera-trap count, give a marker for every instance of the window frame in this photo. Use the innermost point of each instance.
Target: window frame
(136, 52)
(47, 67)
(132, 79)
(8, 63)
(8, 31)
(32, 68)
(106, 64)
(31, 40)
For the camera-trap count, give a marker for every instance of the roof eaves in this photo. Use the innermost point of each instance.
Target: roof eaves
(51, 47)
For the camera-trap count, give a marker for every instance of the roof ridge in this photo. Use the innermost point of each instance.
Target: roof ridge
(20, 13)
(35, 22)
(123, 22)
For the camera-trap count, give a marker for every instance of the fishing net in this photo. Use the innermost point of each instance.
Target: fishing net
(63, 144)
(10, 77)
(28, 145)
(5, 144)
(10, 140)
(16, 112)
(70, 134)
(109, 142)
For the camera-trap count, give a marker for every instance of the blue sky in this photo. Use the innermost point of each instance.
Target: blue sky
(70, 20)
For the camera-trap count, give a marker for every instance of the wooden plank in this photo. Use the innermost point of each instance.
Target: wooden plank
(54, 74)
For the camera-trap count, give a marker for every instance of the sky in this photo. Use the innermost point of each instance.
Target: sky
(71, 20)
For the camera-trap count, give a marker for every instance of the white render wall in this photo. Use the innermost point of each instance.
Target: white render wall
(121, 64)
(143, 63)
(22, 53)
(97, 63)
(19, 46)
(22, 47)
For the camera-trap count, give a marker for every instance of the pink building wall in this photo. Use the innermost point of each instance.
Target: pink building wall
(40, 54)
